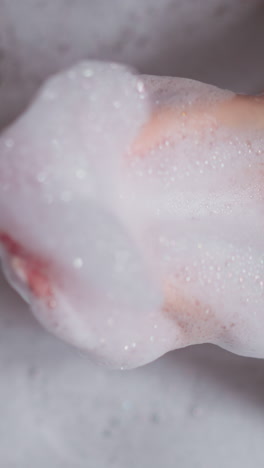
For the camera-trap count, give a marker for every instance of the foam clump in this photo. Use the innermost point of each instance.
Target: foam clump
(130, 214)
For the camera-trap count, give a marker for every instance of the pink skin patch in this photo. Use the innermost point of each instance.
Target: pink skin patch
(31, 271)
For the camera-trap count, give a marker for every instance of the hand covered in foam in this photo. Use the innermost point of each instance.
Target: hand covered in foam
(131, 213)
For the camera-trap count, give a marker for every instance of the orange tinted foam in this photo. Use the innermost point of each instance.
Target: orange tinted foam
(166, 122)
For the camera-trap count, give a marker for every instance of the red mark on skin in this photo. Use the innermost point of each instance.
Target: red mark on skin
(30, 270)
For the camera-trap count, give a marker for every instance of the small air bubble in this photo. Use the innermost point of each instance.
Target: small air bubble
(80, 173)
(49, 199)
(78, 262)
(55, 142)
(88, 73)
(49, 95)
(126, 404)
(41, 177)
(9, 143)
(126, 348)
(52, 303)
(116, 104)
(196, 412)
(140, 86)
(72, 75)
(66, 196)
